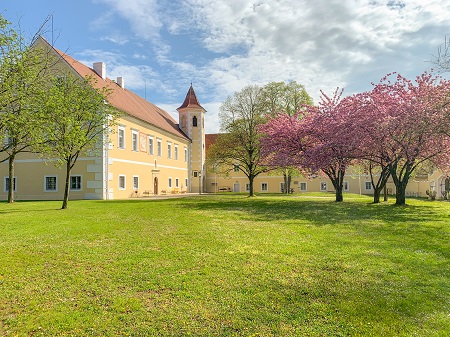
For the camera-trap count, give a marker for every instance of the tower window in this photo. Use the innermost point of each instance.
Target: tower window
(194, 121)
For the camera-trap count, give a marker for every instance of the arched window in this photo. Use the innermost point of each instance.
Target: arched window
(194, 121)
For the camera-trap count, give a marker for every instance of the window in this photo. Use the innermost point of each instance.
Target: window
(176, 152)
(150, 145)
(170, 182)
(195, 174)
(368, 185)
(303, 187)
(134, 140)
(247, 187)
(159, 147)
(346, 186)
(185, 154)
(264, 187)
(169, 150)
(7, 140)
(176, 182)
(194, 121)
(135, 182)
(121, 182)
(236, 168)
(6, 184)
(186, 182)
(75, 183)
(121, 137)
(51, 183)
(323, 186)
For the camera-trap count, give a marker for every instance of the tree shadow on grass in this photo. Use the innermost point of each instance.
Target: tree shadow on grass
(318, 211)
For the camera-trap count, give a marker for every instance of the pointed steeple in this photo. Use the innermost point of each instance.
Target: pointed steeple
(191, 100)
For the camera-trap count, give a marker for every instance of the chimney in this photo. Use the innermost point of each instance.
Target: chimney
(100, 69)
(121, 82)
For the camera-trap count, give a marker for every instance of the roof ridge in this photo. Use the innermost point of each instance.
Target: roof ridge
(125, 100)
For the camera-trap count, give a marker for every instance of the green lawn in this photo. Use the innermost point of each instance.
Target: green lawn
(225, 266)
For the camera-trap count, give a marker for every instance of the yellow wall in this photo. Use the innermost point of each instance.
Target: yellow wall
(197, 149)
(356, 184)
(30, 172)
(140, 163)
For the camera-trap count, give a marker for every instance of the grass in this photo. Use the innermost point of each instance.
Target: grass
(225, 266)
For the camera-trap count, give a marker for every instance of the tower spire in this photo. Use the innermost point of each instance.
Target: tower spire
(191, 100)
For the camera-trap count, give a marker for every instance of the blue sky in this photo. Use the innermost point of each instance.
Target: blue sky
(161, 46)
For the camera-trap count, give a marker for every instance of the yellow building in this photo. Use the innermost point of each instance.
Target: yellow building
(147, 153)
(354, 182)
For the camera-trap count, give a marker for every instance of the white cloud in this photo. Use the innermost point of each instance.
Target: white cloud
(141, 14)
(116, 38)
(321, 44)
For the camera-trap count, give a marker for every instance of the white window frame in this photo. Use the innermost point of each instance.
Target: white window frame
(159, 147)
(151, 145)
(177, 182)
(5, 184)
(175, 151)
(346, 186)
(56, 183)
(135, 183)
(186, 181)
(323, 186)
(266, 189)
(368, 183)
(121, 137)
(81, 182)
(169, 182)
(186, 154)
(302, 183)
(247, 187)
(135, 140)
(169, 150)
(124, 187)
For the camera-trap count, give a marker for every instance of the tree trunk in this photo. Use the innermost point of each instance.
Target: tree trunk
(400, 194)
(400, 182)
(385, 195)
(376, 195)
(339, 186)
(286, 183)
(11, 179)
(289, 178)
(66, 186)
(339, 195)
(250, 182)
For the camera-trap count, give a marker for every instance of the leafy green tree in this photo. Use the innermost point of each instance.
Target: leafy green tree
(288, 98)
(238, 147)
(23, 72)
(80, 122)
(282, 97)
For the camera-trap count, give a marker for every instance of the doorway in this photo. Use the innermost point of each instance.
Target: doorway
(236, 187)
(155, 186)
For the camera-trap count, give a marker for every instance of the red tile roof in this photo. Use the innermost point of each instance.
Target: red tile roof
(125, 100)
(191, 100)
(210, 139)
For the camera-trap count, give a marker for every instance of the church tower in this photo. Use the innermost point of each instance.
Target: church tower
(192, 122)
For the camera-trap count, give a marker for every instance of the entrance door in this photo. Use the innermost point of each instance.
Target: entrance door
(236, 187)
(155, 186)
